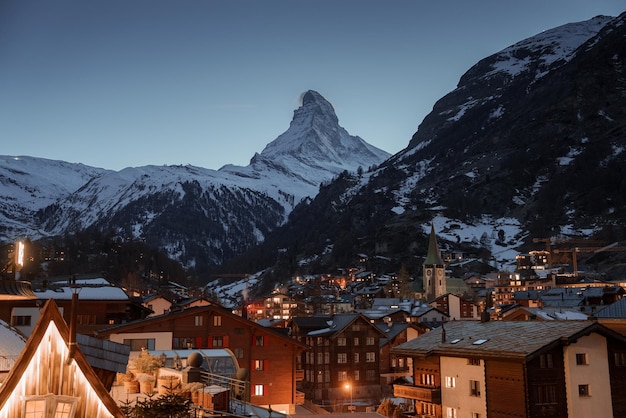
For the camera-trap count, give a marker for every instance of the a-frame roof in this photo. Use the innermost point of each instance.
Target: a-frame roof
(45, 367)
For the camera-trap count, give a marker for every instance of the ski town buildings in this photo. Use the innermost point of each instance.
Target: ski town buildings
(517, 369)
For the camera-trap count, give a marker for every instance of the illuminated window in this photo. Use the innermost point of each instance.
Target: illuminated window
(258, 365)
(54, 406)
(342, 376)
(450, 412)
(342, 358)
(581, 358)
(369, 341)
(258, 390)
(217, 321)
(341, 341)
(427, 379)
(450, 381)
(370, 357)
(356, 340)
(198, 320)
(583, 390)
(238, 352)
(356, 357)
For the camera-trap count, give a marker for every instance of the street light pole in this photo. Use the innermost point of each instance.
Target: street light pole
(351, 407)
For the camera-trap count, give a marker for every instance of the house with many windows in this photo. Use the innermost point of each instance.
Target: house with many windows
(268, 356)
(343, 363)
(520, 369)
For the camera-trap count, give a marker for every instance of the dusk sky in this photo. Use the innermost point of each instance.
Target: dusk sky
(127, 83)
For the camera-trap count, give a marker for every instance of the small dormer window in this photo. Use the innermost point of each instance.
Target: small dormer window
(50, 406)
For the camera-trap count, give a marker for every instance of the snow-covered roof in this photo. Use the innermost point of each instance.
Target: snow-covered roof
(84, 293)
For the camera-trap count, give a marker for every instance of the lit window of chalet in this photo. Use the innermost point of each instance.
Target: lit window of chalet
(50, 406)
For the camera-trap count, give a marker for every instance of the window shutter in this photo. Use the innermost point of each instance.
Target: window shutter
(199, 342)
(210, 342)
(225, 341)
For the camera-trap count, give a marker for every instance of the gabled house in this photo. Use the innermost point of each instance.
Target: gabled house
(393, 366)
(343, 362)
(157, 303)
(268, 356)
(101, 304)
(52, 377)
(457, 308)
(534, 369)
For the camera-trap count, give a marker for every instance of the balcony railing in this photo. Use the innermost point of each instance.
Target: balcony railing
(299, 375)
(299, 398)
(420, 393)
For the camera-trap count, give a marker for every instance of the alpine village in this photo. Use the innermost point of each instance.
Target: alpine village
(372, 297)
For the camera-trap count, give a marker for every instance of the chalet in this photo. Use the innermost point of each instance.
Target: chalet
(53, 378)
(268, 355)
(101, 304)
(345, 350)
(157, 303)
(456, 308)
(517, 369)
(392, 366)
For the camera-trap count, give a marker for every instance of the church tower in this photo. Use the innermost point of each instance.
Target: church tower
(434, 270)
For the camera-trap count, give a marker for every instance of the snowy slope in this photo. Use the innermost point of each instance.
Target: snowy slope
(211, 213)
(28, 184)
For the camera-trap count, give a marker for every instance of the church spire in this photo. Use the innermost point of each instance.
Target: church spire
(433, 257)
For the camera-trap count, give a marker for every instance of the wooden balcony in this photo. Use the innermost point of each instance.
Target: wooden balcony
(420, 393)
(299, 375)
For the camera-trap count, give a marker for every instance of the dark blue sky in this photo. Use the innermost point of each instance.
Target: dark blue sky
(121, 83)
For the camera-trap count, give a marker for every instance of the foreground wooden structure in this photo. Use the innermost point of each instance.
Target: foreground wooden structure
(52, 377)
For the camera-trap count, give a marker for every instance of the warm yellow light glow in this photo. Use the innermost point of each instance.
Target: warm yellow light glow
(347, 386)
(19, 254)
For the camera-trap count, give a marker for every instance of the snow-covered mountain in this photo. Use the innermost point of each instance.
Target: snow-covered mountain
(530, 144)
(200, 216)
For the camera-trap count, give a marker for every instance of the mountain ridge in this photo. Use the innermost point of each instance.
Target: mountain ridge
(235, 207)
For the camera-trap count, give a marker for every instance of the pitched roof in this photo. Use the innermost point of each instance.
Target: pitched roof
(433, 256)
(60, 373)
(614, 310)
(511, 339)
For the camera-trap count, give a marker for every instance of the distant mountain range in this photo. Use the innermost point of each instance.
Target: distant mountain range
(530, 144)
(199, 216)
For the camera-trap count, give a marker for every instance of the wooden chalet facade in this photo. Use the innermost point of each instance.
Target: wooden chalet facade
(52, 377)
(268, 355)
(101, 305)
(345, 350)
(525, 369)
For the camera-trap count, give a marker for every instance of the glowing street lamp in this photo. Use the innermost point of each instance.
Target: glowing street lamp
(19, 258)
(349, 387)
